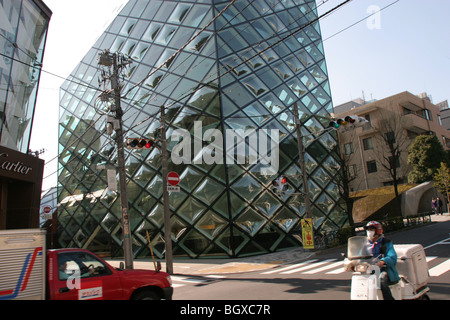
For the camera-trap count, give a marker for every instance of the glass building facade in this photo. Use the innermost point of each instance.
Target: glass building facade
(23, 31)
(244, 71)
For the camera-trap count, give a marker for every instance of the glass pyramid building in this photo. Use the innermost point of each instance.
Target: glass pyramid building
(244, 71)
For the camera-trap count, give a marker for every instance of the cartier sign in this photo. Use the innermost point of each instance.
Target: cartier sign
(18, 165)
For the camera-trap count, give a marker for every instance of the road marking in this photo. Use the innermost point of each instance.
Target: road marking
(313, 265)
(289, 267)
(184, 279)
(330, 266)
(337, 271)
(213, 276)
(440, 269)
(437, 243)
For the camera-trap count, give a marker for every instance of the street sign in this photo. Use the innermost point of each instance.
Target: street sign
(173, 188)
(307, 234)
(173, 179)
(47, 209)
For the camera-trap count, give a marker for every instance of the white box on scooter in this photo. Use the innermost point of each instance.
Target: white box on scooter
(412, 264)
(364, 287)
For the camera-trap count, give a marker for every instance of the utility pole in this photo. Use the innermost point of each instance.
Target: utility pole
(167, 224)
(301, 153)
(118, 63)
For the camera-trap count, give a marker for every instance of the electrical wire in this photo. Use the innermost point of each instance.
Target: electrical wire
(183, 47)
(202, 85)
(276, 33)
(267, 48)
(322, 16)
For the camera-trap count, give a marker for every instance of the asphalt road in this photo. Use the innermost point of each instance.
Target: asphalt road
(319, 278)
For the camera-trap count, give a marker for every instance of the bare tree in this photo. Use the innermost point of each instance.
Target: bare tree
(391, 144)
(346, 173)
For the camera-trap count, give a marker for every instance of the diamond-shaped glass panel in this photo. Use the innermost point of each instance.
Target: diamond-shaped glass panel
(232, 76)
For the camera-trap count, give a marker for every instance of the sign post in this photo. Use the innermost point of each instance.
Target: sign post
(307, 234)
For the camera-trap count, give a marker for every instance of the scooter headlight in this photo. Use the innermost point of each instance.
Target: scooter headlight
(361, 268)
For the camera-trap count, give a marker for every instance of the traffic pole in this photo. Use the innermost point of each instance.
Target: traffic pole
(167, 224)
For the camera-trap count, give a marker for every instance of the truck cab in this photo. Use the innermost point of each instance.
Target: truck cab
(77, 274)
(30, 272)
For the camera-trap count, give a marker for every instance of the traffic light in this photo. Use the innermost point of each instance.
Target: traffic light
(349, 122)
(139, 143)
(279, 185)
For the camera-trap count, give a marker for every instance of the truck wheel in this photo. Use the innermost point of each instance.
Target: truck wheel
(146, 295)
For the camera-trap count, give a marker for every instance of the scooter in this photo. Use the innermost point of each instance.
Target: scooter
(411, 266)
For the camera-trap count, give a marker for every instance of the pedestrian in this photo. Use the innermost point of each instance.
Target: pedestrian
(433, 205)
(439, 206)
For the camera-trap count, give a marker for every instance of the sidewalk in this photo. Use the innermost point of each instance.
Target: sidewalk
(237, 265)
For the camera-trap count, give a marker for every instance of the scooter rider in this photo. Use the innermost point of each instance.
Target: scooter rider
(383, 249)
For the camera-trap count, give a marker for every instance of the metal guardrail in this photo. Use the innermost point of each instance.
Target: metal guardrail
(397, 223)
(323, 240)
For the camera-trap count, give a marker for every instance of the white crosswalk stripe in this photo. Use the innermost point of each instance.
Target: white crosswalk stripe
(440, 269)
(290, 267)
(337, 267)
(185, 280)
(309, 266)
(326, 267)
(313, 266)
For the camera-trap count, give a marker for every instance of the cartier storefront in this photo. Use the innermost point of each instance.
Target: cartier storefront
(20, 185)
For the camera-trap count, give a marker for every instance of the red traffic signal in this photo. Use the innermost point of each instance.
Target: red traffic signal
(139, 143)
(279, 185)
(350, 119)
(349, 122)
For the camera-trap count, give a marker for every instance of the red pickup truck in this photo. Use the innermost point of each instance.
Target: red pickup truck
(28, 271)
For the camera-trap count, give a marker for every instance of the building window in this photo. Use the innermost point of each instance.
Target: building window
(348, 148)
(372, 166)
(368, 144)
(352, 171)
(426, 114)
(446, 142)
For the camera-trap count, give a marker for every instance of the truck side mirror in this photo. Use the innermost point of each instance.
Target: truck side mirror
(121, 266)
(158, 266)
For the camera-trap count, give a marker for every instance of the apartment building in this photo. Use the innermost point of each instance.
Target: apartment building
(398, 120)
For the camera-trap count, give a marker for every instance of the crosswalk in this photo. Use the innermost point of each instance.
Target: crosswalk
(309, 267)
(180, 281)
(439, 269)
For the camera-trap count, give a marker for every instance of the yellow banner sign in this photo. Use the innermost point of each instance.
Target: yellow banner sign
(307, 234)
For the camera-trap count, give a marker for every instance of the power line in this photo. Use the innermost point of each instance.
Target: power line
(203, 85)
(183, 47)
(361, 20)
(82, 82)
(322, 16)
(248, 50)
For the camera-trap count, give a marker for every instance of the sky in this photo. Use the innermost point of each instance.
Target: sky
(405, 47)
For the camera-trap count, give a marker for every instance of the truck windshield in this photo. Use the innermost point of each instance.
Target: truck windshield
(80, 264)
